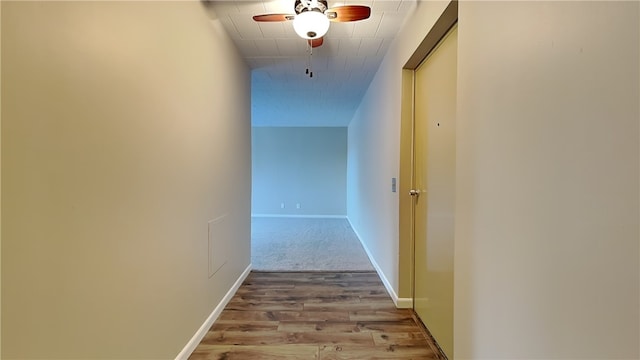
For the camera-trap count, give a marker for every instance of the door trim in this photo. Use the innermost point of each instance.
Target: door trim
(440, 29)
(447, 20)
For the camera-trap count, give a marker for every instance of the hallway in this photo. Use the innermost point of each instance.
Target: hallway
(126, 149)
(314, 315)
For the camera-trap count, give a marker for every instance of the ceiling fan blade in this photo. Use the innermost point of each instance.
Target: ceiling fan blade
(348, 13)
(273, 17)
(316, 42)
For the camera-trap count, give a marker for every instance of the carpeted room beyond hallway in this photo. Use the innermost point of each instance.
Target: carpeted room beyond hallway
(306, 244)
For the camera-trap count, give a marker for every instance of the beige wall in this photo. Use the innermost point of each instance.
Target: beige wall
(0, 183)
(125, 129)
(547, 176)
(547, 211)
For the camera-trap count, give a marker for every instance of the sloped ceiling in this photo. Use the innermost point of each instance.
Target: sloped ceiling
(282, 93)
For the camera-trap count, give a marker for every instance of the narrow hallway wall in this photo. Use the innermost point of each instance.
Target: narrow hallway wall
(125, 130)
(547, 238)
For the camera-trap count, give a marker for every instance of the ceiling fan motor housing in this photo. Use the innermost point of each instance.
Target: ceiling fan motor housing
(301, 6)
(310, 21)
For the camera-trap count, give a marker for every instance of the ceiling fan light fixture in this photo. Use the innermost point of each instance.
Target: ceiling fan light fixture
(311, 24)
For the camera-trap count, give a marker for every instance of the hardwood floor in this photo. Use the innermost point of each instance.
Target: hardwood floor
(314, 315)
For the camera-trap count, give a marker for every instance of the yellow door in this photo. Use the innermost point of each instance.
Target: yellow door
(434, 178)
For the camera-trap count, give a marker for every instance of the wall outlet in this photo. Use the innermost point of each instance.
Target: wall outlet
(298, 206)
(281, 205)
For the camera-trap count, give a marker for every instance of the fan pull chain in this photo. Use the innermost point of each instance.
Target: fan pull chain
(307, 71)
(309, 60)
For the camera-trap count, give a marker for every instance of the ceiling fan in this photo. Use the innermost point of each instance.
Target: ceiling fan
(312, 18)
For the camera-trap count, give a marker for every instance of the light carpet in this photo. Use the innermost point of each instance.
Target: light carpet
(306, 244)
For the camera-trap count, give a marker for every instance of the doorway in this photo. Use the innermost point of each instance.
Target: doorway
(433, 192)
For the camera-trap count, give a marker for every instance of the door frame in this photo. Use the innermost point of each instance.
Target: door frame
(447, 20)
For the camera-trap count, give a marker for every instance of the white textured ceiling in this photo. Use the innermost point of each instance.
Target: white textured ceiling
(282, 93)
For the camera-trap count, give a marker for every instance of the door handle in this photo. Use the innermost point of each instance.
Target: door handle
(414, 192)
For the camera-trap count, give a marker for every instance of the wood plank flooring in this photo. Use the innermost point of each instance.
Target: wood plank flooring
(314, 315)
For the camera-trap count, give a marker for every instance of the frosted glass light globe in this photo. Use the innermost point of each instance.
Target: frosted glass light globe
(311, 24)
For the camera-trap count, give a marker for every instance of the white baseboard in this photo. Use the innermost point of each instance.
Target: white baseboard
(401, 303)
(202, 331)
(299, 216)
